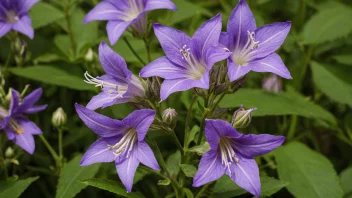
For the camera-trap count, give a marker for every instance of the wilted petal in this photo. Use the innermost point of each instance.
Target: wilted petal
(216, 129)
(99, 151)
(103, 11)
(240, 22)
(4, 28)
(163, 68)
(237, 71)
(101, 125)
(209, 169)
(216, 54)
(127, 169)
(245, 173)
(271, 63)
(146, 156)
(115, 29)
(159, 4)
(270, 38)
(172, 41)
(24, 25)
(141, 121)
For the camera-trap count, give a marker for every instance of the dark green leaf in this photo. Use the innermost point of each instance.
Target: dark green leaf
(188, 170)
(173, 163)
(14, 189)
(344, 59)
(346, 182)
(225, 187)
(43, 14)
(271, 185)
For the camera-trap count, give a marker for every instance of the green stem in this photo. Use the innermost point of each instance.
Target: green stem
(147, 47)
(69, 28)
(133, 51)
(50, 149)
(292, 130)
(188, 122)
(177, 142)
(60, 145)
(202, 190)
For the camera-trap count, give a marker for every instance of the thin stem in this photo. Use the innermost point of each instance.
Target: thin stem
(60, 144)
(177, 142)
(50, 149)
(147, 47)
(133, 51)
(8, 58)
(202, 190)
(187, 124)
(70, 32)
(292, 130)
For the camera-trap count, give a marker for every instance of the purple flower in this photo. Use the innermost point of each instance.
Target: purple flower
(18, 128)
(188, 60)
(14, 16)
(253, 49)
(121, 141)
(124, 13)
(232, 153)
(119, 85)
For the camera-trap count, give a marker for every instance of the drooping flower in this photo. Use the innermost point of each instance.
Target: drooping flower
(232, 153)
(14, 16)
(18, 128)
(119, 85)
(121, 141)
(121, 14)
(272, 83)
(188, 61)
(252, 48)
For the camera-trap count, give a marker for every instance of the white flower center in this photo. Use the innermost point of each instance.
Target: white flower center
(227, 153)
(115, 91)
(126, 144)
(242, 56)
(196, 69)
(12, 17)
(136, 7)
(16, 127)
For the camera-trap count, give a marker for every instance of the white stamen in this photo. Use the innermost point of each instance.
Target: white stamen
(227, 153)
(196, 69)
(16, 127)
(126, 144)
(242, 56)
(12, 17)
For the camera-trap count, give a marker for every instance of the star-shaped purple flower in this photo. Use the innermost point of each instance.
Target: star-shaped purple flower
(188, 60)
(253, 49)
(14, 16)
(232, 153)
(124, 13)
(121, 141)
(119, 84)
(18, 128)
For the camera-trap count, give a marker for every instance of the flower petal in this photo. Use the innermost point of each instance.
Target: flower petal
(240, 22)
(172, 41)
(26, 5)
(99, 151)
(216, 129)
(15, 100)
(100, 100)
(115, 29)
(146, 156)
(237, 71)
(207, 35)
(127, 169)
(216, 54)
(270, 38)
(113, 64)
(25, 141)
(101, 125)
(4, 28)
(159, 4)
(30, 100)
(28, 126)
(271, 63)
(103, 11)
(24, 25)
(163, 68)
(245, 173)
(36, 109)
(224, 39)
(141, 121)
(209, 169)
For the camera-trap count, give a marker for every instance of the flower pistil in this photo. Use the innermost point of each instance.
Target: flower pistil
(196, 69)
(126, 144)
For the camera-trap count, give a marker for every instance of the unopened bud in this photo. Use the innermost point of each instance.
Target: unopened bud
(272, 83)
(89, 56)
(9, 153)
(236, 85)
(8, 98)
(59, 118)
(242, 118)
(220, 88)
(220, 112)
(170, 117)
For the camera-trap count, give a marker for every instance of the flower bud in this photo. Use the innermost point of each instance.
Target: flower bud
(9, 153)
(236, 85)
(8, 98)
(59, 118)
(89, 56)
(170, 117)
(272, 83)
(242, 118)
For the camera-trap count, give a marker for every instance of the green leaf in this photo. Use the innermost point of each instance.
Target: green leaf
(309, 173)
(43, 14)
(192, 134)
(111, 186)
(188, 170)
(335, 88)
(200, 149)
(270, 104)
(14, 189)
(271, 185)
(328, 24)
(188, 193)
(164, 182)
(173, 163)
(344, 59)
(71, 174)
(63, 43)
(52, 75)
(346, 181)
(225, 187)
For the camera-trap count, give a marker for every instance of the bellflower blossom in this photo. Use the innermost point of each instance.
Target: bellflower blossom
(123, 13)
(232, 153)
(121, 141)
(188, 61)
(18, 128)
(253, 49)
(119, 85)
(14, 16)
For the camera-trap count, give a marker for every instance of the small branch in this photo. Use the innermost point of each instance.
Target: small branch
(133, 51)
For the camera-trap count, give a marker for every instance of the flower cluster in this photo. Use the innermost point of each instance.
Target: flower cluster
(190, 63)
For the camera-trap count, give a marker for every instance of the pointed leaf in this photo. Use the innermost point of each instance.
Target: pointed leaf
(14, 189)
(188, 170)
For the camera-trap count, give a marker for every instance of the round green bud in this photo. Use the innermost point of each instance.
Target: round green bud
(59, 118)
(242, 118)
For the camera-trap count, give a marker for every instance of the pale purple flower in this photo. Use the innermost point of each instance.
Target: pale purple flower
(121, 14)
(18, 128)
(232, 153)
(119, 85)
(188, 60)
(14, 16)
(272, 83)
(252, 48)
(121, 142)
